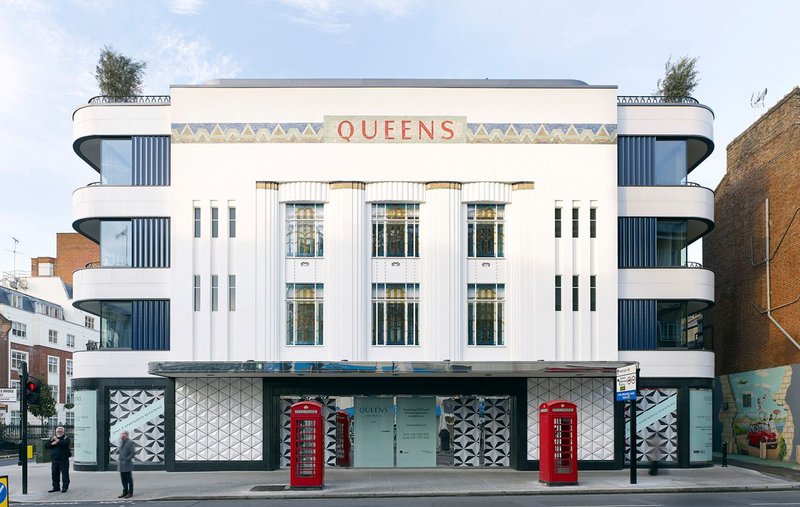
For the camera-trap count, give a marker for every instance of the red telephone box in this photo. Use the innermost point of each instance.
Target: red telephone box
(558, 442)
(307, 445)
(344, 454)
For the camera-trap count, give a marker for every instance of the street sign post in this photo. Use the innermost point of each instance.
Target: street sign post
(23, 377)
(626, 383)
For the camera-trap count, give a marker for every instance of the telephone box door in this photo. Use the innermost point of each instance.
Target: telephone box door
(344, 455)
(558, 442)
(307, 445)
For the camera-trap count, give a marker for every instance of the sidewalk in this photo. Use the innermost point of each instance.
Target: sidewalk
(785, 469)
(100, 486)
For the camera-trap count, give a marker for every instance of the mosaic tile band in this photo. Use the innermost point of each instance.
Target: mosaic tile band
(476, 133)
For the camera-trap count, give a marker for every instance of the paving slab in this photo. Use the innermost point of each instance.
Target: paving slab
(370, 483)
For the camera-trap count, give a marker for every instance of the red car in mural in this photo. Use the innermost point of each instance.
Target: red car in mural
(760, 432)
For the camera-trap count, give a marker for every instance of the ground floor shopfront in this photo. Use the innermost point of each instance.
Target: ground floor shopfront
(235, 416)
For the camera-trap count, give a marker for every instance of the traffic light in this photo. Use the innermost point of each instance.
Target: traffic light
(33, 390)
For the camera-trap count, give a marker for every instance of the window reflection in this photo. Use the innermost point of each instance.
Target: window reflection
(670, 162)
(115, 324)
(671, 324)
(116, 162)
(671, 242)
(115, 243)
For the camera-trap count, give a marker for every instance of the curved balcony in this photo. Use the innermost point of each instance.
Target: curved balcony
(92, 285)
(684, 120)
(691, 202)
(94, 121)
(112, 364)
(692, 284)
(94, 202)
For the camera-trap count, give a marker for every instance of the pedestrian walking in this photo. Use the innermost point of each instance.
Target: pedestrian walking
(125, 453)
(59, 460)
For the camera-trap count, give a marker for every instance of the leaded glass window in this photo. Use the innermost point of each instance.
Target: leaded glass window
(304, 230)
(395, 230)
(485, 314)
(485, 230)
(304, 306)
(395, 314)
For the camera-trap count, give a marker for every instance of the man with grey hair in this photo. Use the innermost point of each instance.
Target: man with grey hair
(59, 460)
(125, 453)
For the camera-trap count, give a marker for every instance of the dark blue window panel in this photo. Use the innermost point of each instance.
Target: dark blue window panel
(151, 240)
(150, 325)
(151, 160)
(636, 160)
(637, 242)
(637, 324)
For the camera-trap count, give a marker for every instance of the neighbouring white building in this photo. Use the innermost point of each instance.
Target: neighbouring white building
(45, 331)
(451, 251)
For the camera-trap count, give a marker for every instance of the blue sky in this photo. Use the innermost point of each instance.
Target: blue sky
(48, 51)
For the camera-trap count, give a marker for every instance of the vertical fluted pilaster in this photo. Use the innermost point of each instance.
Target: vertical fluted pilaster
(269, 257)
(347, 271)
(521, 285)
(443, 265)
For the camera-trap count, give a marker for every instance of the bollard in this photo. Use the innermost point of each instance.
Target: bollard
(724, 454)
(654, 467)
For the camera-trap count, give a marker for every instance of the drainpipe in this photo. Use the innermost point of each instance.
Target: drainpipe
(769, 299)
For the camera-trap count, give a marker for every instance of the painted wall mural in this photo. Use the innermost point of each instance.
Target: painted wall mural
(762, 406)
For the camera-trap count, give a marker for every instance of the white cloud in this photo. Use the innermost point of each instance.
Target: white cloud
(185, 7)
(331, 27)
(326, 15)
(27, 5)
(180, 59)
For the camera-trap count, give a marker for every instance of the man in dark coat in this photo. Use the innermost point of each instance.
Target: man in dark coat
(125, 453)
(59, 456)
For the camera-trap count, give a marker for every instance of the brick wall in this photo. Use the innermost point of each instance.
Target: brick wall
(37, 365)
(36, 261)
(763, 162)
(73, 251)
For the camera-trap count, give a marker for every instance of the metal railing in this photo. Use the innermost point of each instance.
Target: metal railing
(134, 99)
(654, 99)
(13, 432)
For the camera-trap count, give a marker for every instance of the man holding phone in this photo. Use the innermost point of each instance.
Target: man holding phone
(59, 455)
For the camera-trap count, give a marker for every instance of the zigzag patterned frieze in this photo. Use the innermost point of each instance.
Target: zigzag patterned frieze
(314, 132)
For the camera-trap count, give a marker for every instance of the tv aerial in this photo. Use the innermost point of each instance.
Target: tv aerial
(757, 99)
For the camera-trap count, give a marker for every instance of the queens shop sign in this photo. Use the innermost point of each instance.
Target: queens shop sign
(395, 129)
